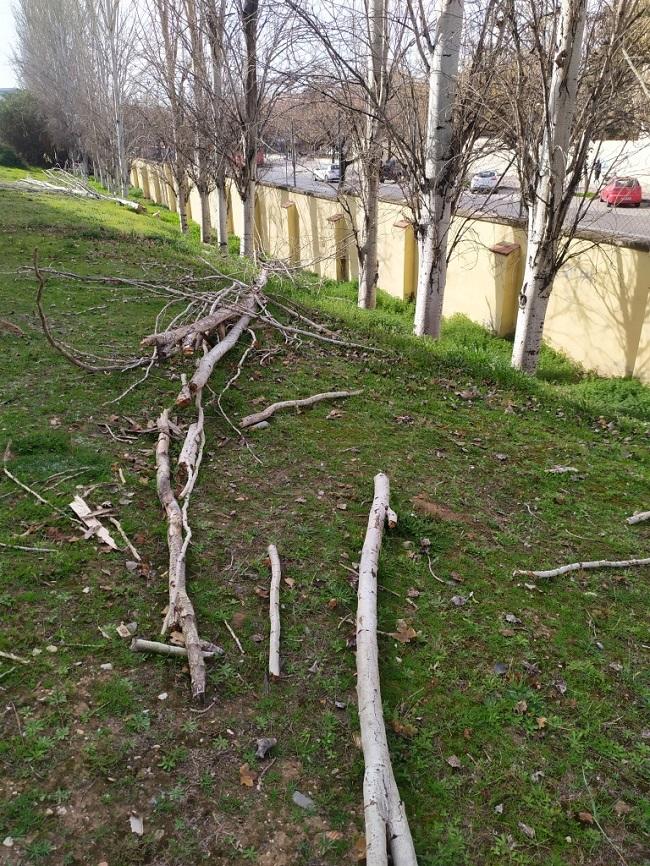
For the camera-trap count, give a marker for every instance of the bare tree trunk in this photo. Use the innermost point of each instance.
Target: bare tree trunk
(439, 173)
(432, 274)
(182, 206)
(222, 213)
(248, 239)
(369, 178)
(206, 220)
(545, 210)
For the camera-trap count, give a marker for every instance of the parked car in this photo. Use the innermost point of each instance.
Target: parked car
(622, 190)
(391, 170)
(484, 181)
(328, 174)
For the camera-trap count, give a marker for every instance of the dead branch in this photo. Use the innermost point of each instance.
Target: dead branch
(274, 612)
(583, 566)
(59, 347)
(385, 816)
(234, 637)
(13, 657)
(6, 325)
(181, 609)
(29, 549)
(151, 646)
(265, 414)
(89, 518)
(639, 517)
(200, 328)
(125, 538)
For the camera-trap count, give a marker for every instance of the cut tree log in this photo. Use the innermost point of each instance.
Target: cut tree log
(152, 646)
(265, 414)
(583, 566)
(274, 611)
(181, 609)
(385, 816)
(639, 517)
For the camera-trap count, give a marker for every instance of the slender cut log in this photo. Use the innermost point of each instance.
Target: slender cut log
(265, 414)
(181, 610)
(274, 612)
(385, 815)
(152, 646)
(583, 566)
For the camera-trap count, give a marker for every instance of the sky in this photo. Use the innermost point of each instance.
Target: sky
(7, 44)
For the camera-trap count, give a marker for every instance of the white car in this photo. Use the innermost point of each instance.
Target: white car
(329, 174)
(484, 181)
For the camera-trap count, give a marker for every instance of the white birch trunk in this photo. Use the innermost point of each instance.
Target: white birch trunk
(544, 225)
(439, 175)
(432, 274)
(274, 612)
(206, 221)
(385, 817)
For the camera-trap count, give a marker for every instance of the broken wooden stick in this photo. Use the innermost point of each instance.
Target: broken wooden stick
(274, 611)
(639, 517)
(85, 513)
(152, 646)
(582, 566)
(181, 609)
(385, 816)
(265, 414)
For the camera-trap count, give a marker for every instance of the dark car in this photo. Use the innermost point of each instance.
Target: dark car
(391, 170)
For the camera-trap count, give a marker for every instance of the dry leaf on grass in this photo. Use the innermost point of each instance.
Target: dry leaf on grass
(247, 777)
(622, 808)
(360, 849)
(454, 761)
(585, 818)
(404, 633)
(404, 729)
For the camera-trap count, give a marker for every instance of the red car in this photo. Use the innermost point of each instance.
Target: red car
(622, 190)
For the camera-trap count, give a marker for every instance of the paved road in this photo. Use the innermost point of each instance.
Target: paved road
(626, 222)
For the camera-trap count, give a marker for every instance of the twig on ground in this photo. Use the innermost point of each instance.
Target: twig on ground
(13, 657)
(265, 414)
(29, 549)
(116, 523)
(597, 822)
(235, 638)
(27, 489)
(582, 566)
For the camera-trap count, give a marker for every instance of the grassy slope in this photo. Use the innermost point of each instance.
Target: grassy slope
(94, 744)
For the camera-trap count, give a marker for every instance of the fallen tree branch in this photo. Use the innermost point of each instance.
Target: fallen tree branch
(274, 612)
(207, 363)
(27, 489)
(29, 549)
(234, 637)
(639, 517)
(265, 414)
(180, 609)
(582, 566)
(201, 327)
(385, 816)
(151, 646)
(125, 538)
(56, 344)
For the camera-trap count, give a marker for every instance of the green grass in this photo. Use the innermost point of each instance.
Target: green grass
(562, 731)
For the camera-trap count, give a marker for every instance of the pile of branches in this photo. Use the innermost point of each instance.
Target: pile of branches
(61, 182)
(213, 318)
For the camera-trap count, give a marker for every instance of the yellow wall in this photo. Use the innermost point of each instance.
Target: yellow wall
(599, 313)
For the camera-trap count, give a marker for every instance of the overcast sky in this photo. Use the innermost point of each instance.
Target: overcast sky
(7, 44)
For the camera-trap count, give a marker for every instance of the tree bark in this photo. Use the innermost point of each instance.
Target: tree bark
(439, 175)
(385, 816)
(248, 240)
(546, 211)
